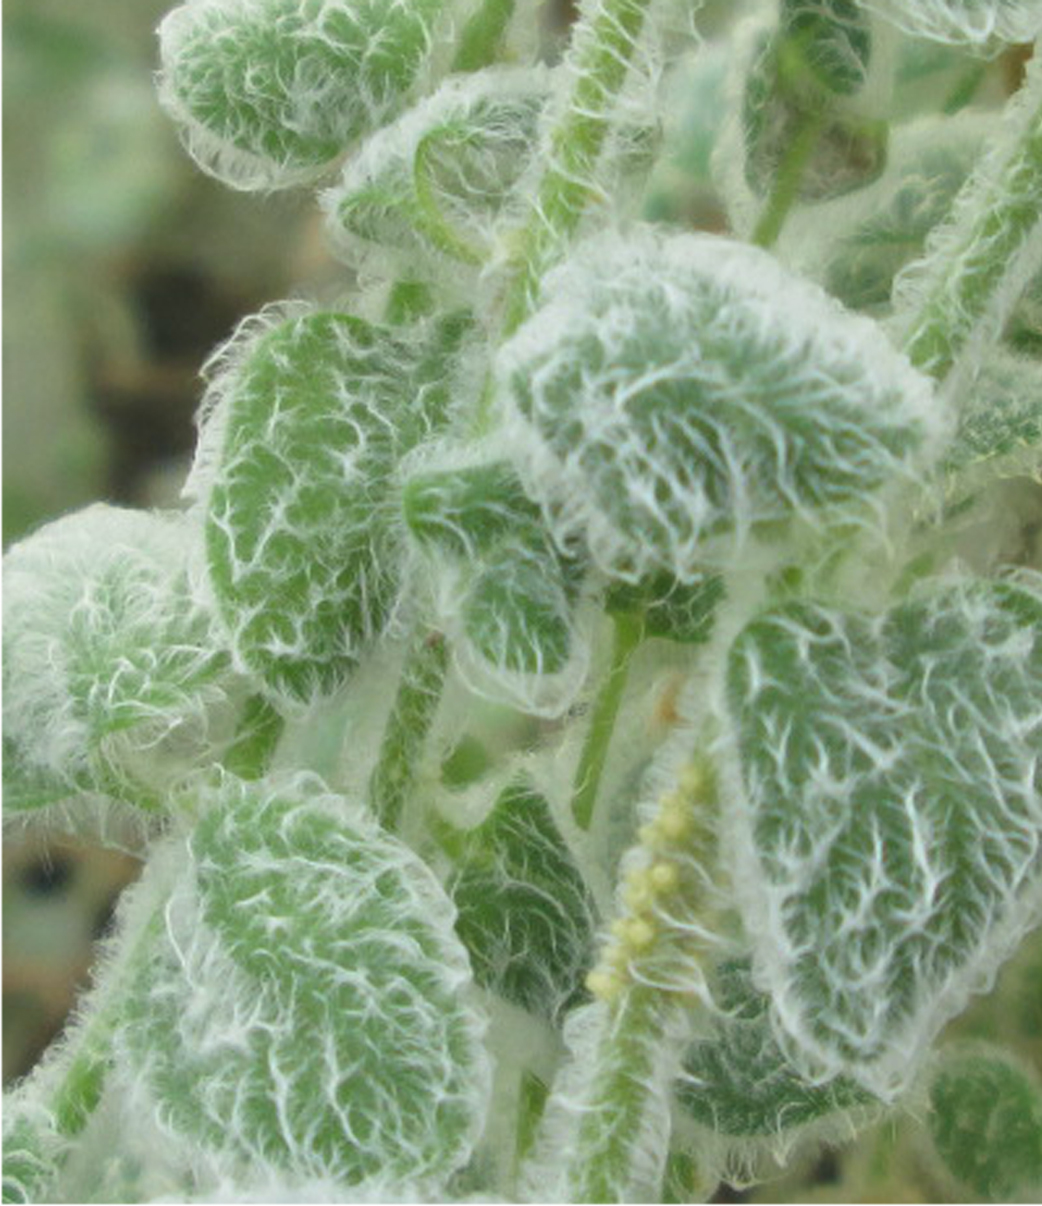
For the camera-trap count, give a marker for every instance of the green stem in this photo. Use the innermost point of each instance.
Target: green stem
(786, 188)
(995, 230)
(614, 1120)
(480, 39)
(643, 980)
(603, 44)
(629, 630)
(419, 692)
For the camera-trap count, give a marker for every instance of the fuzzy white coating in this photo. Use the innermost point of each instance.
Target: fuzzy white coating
(305, 1015)
(109, 667)
(676, 394)
(267, 93)
(887, 815)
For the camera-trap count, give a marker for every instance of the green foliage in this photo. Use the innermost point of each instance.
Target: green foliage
(525, 914)
(986, 1123)
(327, 1035)
(268, 92)
(659, 412)
(308, 421)
(676, 611)
(738, 1082)
(890, 812)
(114, 677)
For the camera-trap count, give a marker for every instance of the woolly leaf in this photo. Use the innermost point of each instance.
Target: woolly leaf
(971, 21)
(929, 164)
(308, 421)
(467, 511)
(114, 678)
(1000, 430)
(986, 1124)
(306, 1009)
(831, 42)
(517, 610)
(32, 1154)
(525, 915)
(28, 787)
(738, 1082)
(888, 830)
(677, 611)
(676, 392)
(268, 92)
(434, 183)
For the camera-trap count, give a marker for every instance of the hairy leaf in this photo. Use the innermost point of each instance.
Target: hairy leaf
(307, 422)
(113, 675)
(268, 92)
(306, 1010)
(739, 1083)
(525, 915)
(889, 827)
(675, 393)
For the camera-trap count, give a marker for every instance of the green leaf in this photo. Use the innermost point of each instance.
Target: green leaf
(306, 1011)
(114, 677)
(433, 185)
(677, 611)
(294, 471)
(525, 915)
(888, 831)
(739, 1083)
(28, 788)
(1000, 429)
(467, 511)
(831, 42)
(268, 92)
(676, 393)
(930, 162)
(986, 1123)
(33, 1153)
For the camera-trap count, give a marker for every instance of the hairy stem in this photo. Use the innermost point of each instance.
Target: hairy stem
(992, 243)
(647, 978)
(419, 691)
(602, 47)
(629, 630)
(481, 36)
(786, 188)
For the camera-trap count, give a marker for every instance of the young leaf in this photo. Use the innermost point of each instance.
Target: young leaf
(467, 511)
(433, 184)
(1000, 429)
(677, 611)
(738, 1083)
(514, 595)
(114, 678)
(889, 813)
(308, 419)
(929, 162)
(305, 1012)
(525, 915)
(986, 1123)
(268, 92)
(675, 393)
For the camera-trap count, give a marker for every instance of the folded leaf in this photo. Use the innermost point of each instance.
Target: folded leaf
(115, 679)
